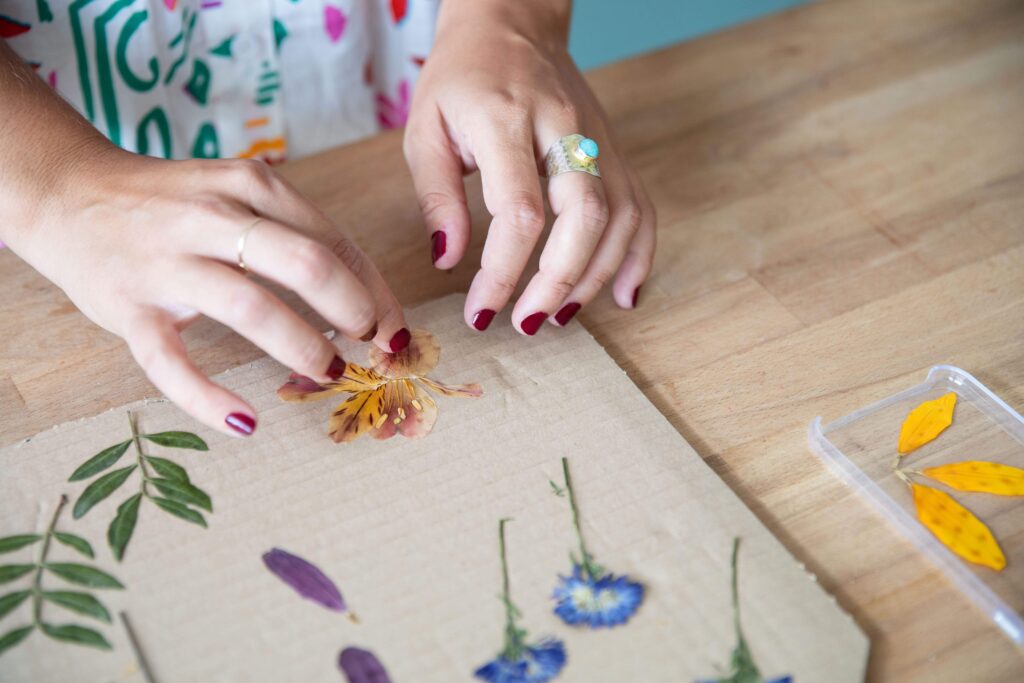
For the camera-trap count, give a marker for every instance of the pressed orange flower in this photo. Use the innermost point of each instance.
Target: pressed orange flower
(388, 398)
(979, 476)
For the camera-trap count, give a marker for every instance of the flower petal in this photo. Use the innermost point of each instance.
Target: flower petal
(926, 422)
(300, 389)
(957, 527)
(357, 415)
(410, 411)
(456, 390)
(418, 358)
(979, 476)
(362, 666)
(307, 580)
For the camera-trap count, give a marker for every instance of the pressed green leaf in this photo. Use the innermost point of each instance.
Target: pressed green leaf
(179, 510)
(178, 440)
(12, 638)
(167, 469)
(74, 541)
(12, 543)
(100, 489)
(13, 572)
(123, 524)
(83, 575)
(183, 492)
(100, 461)
(10, 602)
(73, 633)
(83, 603)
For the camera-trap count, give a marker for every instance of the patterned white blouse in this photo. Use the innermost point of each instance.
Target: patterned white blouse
(268, 79)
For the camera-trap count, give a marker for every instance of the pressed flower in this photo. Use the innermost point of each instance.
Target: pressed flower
(926, 422)
(519, 661)
(742, 668)
(387, 399)
(305, 578)
(603, 602)
(979, 476)
(536, 663)
(590, 596)
(362, 666)
(957, 527)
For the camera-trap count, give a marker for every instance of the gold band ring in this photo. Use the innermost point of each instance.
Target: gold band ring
(241, 243)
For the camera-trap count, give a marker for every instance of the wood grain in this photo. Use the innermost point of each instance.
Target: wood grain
(840, 191)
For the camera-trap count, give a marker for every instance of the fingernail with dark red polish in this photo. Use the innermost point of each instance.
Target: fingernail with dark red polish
(482, 319)
(566, 314)
(337, 367)
(241, 423)
(438, 245)
(369, 335)
(532, 323)
(636, 296)
(400, 340)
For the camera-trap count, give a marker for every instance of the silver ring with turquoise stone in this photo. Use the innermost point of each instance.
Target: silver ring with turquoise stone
(572, 153)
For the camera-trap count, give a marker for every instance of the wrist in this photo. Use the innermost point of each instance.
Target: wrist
(543, 22)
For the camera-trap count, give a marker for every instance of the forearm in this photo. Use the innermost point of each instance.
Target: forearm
(539, 20)
(43, 141)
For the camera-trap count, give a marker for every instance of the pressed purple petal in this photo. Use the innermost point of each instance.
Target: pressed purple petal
(362, 666)
(307, 580)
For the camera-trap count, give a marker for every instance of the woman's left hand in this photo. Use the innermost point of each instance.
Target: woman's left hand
(498, 89)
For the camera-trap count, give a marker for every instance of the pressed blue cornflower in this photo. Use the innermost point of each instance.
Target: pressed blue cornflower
(591, 596)
(537, 663)
(598, 603)
(742, 666)
(519, 662)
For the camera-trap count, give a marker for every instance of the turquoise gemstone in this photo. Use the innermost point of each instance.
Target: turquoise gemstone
(588, 147)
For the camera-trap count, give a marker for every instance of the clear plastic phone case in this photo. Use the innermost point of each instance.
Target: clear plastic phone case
(860, 449)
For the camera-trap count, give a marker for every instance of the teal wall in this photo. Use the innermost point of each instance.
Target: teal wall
(605, 31)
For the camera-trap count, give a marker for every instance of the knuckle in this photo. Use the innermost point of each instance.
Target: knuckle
(601, 276)
(630, 216)
(561, 281)
(252, 174)
(594, 208)
(432, 202)
(350, 254)
(505, 105)
(250, 307)
(313, 264)
(310, 355)
(525, 215)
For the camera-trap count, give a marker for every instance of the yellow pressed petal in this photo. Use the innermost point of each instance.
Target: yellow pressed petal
(979, 476)
(417, 405)
(957, 527)
(926, 422)
(356, 415)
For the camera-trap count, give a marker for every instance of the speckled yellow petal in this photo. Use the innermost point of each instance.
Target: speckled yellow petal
(957, 527)
(301, 389)
(979, 476)
(458, 390)
(357, 415)
(926, 422)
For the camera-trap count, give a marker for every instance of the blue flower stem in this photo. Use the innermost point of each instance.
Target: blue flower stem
(513, 649)
(586, 559)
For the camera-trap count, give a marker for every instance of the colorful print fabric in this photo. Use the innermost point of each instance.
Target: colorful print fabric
(267, 79)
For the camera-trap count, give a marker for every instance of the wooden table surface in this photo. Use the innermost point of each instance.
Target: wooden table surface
(841, 199)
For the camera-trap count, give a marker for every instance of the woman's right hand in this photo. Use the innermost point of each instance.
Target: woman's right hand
(144, 246)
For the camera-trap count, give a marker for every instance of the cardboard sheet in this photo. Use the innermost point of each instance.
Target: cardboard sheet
(408, 530)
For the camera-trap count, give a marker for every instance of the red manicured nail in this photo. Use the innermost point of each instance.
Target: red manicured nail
(532, 323)
(636, 296)
(438, 244)
(400, 340)
(337, 367)
(369, 335)
(241, 423)
(482, 319)
(566, 314)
